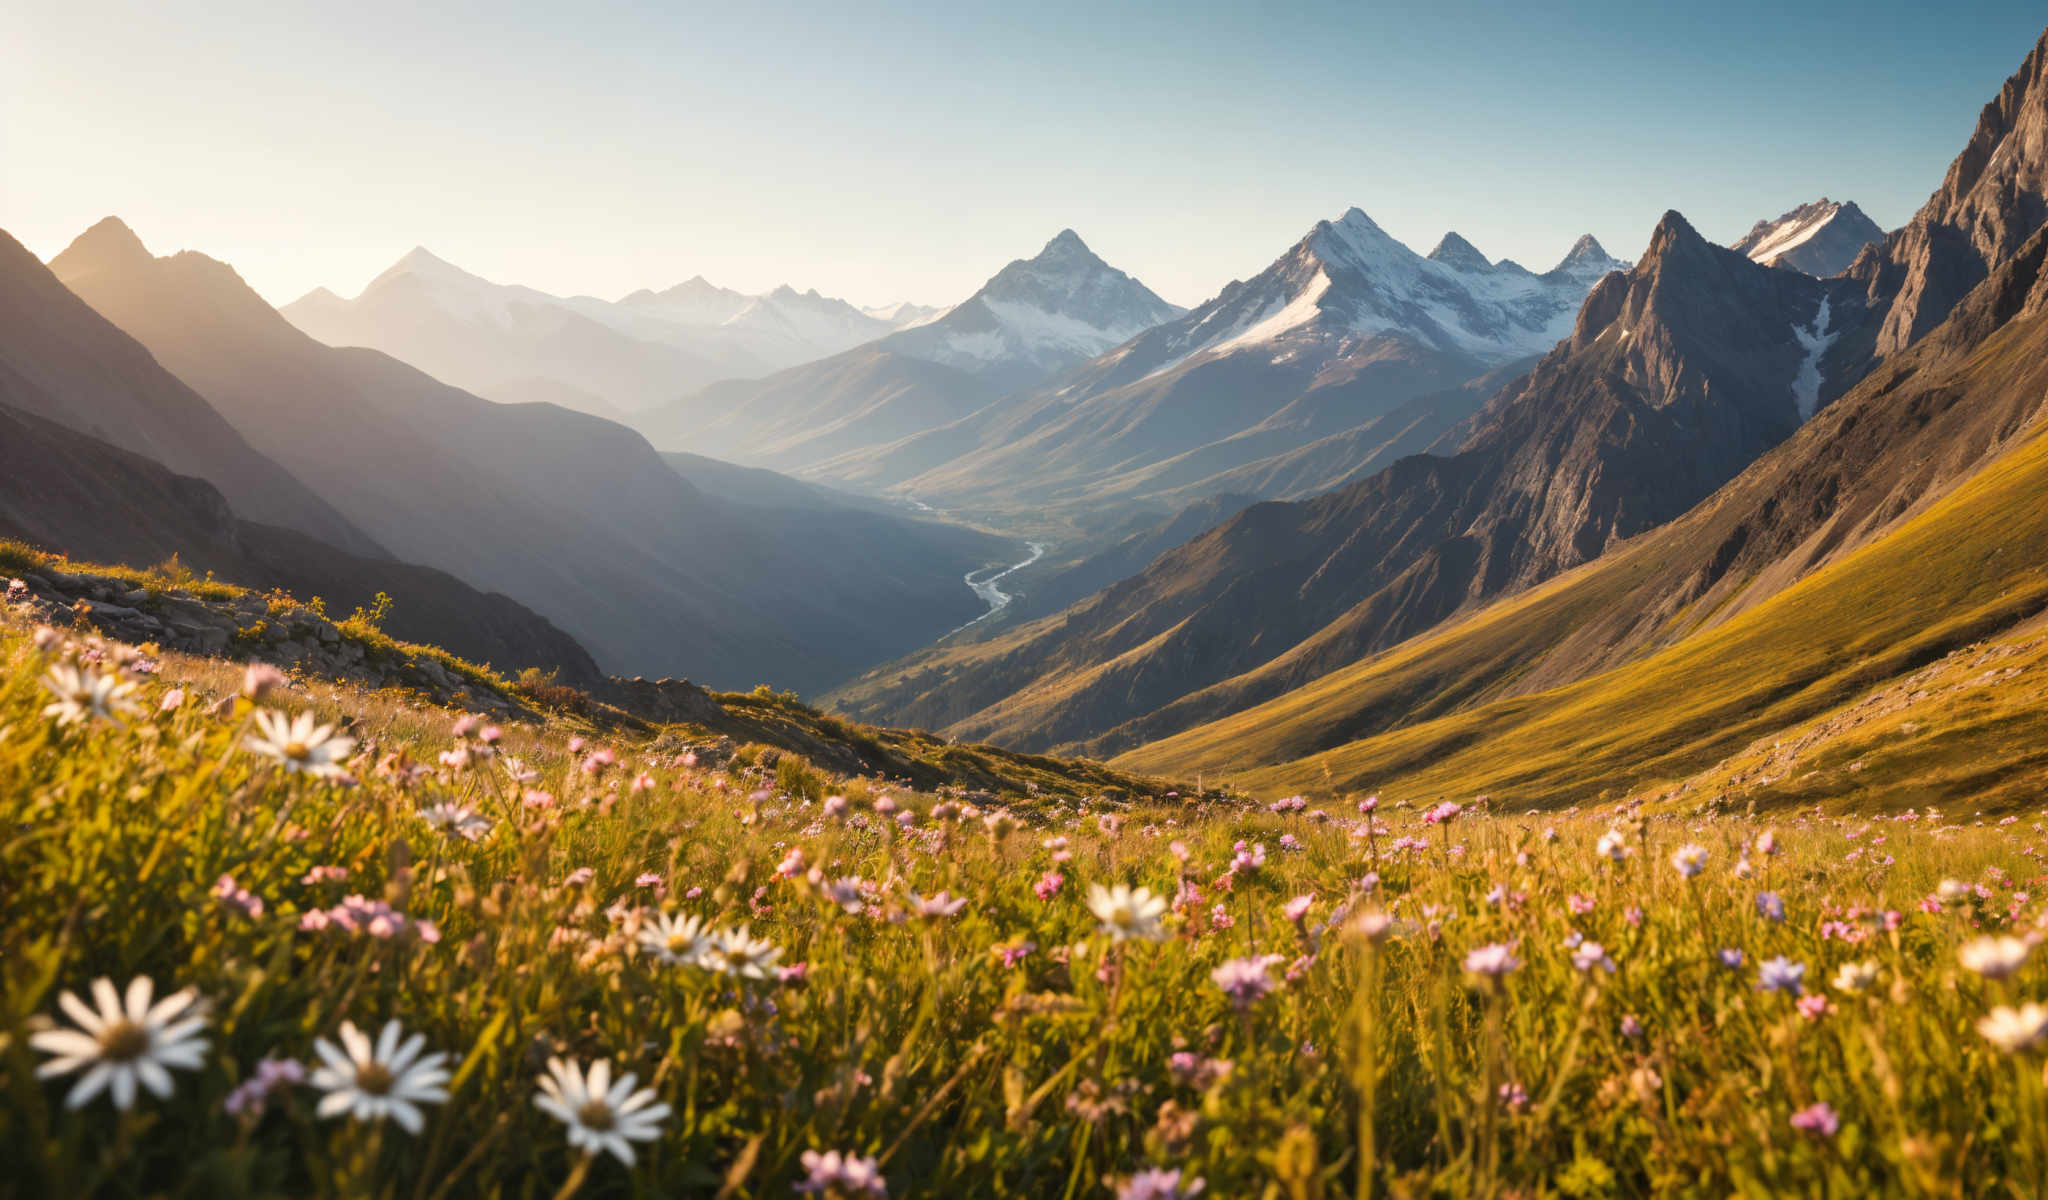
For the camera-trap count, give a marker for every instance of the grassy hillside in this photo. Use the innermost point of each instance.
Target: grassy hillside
(1965, 569)
(1888, 453)
(1968, 732)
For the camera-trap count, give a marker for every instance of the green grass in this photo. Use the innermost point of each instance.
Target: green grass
(1372, 1068)
(17, 556)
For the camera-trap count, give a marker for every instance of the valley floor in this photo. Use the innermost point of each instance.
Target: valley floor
(390, 951)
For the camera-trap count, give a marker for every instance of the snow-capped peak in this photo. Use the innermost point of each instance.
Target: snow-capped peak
(1454, 251)
(1820, 238)
(1587, 257)
(904, 314)
(1350, 279)
(425, 264)
(1066, 279)
(1038, 315)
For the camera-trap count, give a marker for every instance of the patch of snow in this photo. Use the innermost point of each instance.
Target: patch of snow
(1791, 235)
(1806, 383)
(1036, 328)
(1269, 324)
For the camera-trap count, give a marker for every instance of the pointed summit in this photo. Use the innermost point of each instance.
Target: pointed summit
(421, 260)
(1457, 253)
(1674, 234)
(1065, 242)
(1036, 316)
(1586, 250)
(108, 245)
(423, 264)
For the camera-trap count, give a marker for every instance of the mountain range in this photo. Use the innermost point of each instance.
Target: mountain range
(572, 515)
(1032, 319)
(1337, 339)
(89, 425)
(1819, 480)
(517, 344)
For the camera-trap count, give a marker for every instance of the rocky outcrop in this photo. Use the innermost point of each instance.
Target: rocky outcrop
(1993, 199)
(248, 625)
(664, 701)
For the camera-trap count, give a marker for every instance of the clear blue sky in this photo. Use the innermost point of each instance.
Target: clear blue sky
(883, 151)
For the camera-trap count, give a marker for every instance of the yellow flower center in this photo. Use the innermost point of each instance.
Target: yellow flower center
(1122, 915)
(677, 943)
(595, 1115)
(374, 1079)
(295, 750)
(123, 1041)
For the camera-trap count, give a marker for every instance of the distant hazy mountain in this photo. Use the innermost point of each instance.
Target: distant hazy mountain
(61, 361)
(1035, 317)
(1821, 238)
(903, 314)
(95, 502)
(517, 344)
(572, 515)
(83, 495)
(1338, 334)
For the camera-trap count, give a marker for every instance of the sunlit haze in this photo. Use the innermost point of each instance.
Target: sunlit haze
(884, 152)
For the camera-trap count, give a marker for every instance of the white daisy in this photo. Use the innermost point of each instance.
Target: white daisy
(299, 744)
(1127, 914)
(675, 940)
(738, 952)
(390, 1079)
(82, 696)
(2013, 1029)
(128, 1041)
(600, 1115)
(1856, 976)
(456, 819)
(1994, 957)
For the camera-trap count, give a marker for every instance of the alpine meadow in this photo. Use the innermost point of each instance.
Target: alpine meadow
(956, 708)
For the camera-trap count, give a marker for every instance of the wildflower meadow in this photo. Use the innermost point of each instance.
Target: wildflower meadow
(261, 938)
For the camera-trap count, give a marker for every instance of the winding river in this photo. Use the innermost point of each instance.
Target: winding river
(983, 583)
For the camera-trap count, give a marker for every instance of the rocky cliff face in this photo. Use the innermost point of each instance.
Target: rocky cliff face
(1993, 199)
